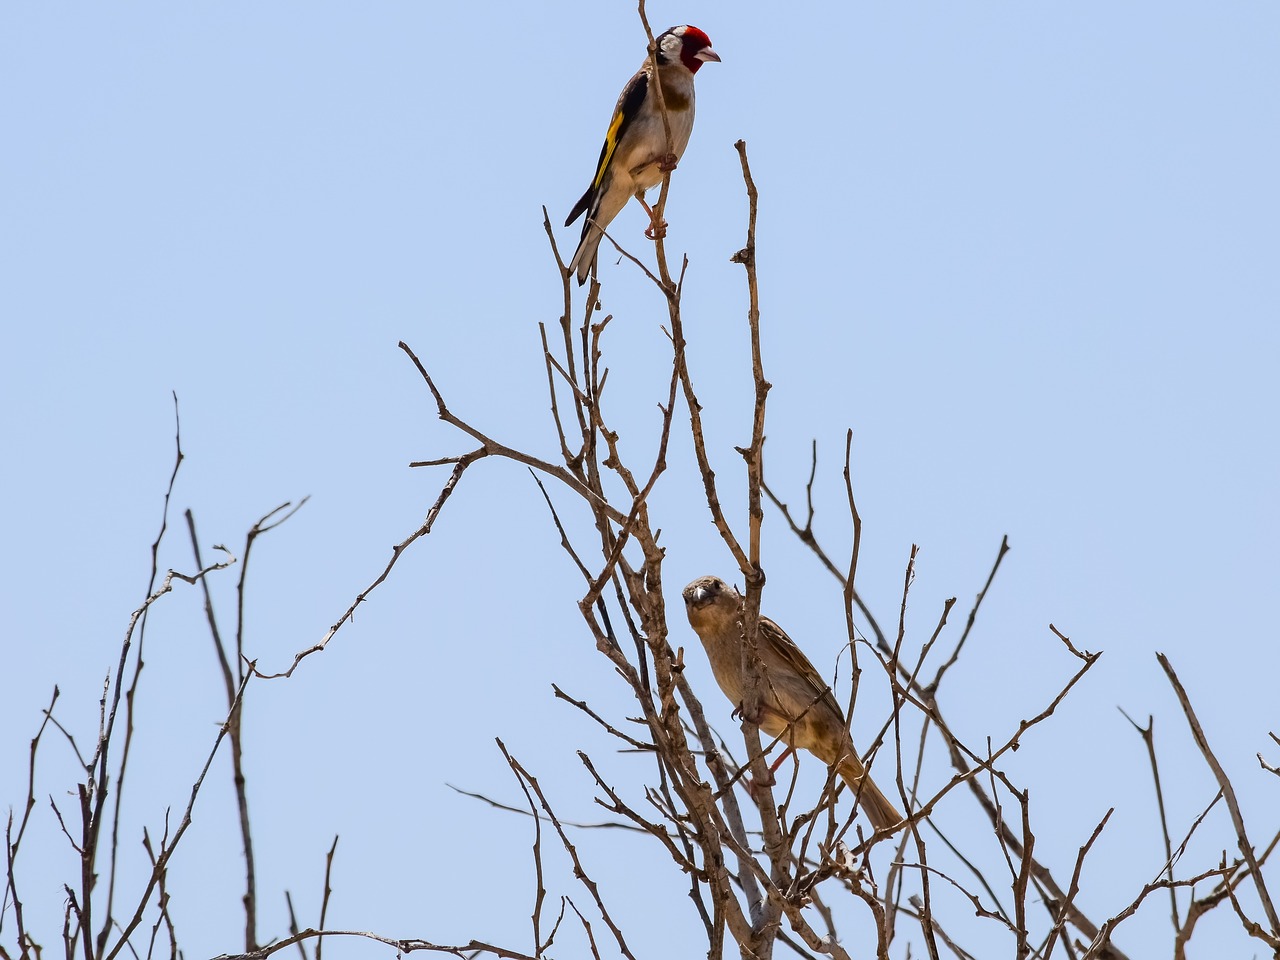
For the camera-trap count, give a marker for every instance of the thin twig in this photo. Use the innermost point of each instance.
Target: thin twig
(396, 553)
(1271, 938)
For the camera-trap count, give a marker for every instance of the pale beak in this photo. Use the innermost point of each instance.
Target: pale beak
(699, 594)
(706, 53)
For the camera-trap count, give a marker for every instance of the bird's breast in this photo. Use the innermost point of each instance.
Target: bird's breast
(677, 100)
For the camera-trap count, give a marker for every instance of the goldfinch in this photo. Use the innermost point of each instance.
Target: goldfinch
(635, 154)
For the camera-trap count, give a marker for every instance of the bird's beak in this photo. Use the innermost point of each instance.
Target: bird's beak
(699, 594)
(706, 53)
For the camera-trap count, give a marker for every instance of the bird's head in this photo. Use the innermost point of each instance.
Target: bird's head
(687, 45)
(709, 598)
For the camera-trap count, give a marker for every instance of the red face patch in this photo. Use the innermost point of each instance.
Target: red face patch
(694, 36)
(693, 40)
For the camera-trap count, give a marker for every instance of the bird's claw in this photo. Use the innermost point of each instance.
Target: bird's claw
(656, 230)
(740, 713)
(668, 163)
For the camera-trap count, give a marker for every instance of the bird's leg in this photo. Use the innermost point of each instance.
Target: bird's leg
(665, 162)
(768, 780)
(773, 767)
(657, 228)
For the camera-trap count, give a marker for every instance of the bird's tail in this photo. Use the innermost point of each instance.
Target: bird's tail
(585, 255)
(875, 804)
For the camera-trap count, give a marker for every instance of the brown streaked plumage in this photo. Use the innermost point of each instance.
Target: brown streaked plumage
(796, 704)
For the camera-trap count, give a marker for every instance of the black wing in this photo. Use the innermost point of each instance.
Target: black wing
(624, 113)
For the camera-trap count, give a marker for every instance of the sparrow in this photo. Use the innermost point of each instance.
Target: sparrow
(795, 703)
(635, 154)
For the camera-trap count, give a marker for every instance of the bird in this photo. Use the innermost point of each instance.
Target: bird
(636, 153)
(795, 703)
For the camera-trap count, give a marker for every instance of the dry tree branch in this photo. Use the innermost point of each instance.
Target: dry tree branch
(230, 681)
(731, 818)
(746, 256)
(806, 536)
(93, 792)
(164, 917)
(1147, 734)
(586, 926)
(1022, 876)
(1109, 927)
(540, 889)
(465, 950)
(973, 615)
(1199, 907)
(969, 768)
(1234, 877)
(12, 843)
(616, 805)
(1073, 889)
(578, 870)
(975, 901)
(120, 777)
(978, 875)
(1270, 768)
(605, 725)
(293, 924)
(578, 824)
(754, 454)
(640, 496)
(492, 448)
(328, 891)
(851, 576)
(951, 945)
(460, 466)
(927, 926)
(167, 850)
(1271, 938)
(265, 524)
(630, 257)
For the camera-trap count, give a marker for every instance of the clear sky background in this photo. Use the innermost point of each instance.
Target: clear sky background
(1028, 253)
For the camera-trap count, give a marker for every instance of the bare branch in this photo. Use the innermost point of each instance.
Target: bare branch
(396, 553)
(1271, 938)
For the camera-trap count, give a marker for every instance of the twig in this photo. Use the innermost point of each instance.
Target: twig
(581, 705)
(396, 553)
(465, 950)
(1271, 938)
(1147, 734)
(162, 861)
(581, 825)
(1074, 888)
(492, 448)
(328, 891)
(973, 614)
(121, 772)
(578, 870)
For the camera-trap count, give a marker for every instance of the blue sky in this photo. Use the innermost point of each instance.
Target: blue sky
(1028, 253)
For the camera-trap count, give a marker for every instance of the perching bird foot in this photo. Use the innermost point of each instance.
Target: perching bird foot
(768, 780)
(753, 785)
(657, 228)
(668, 163)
